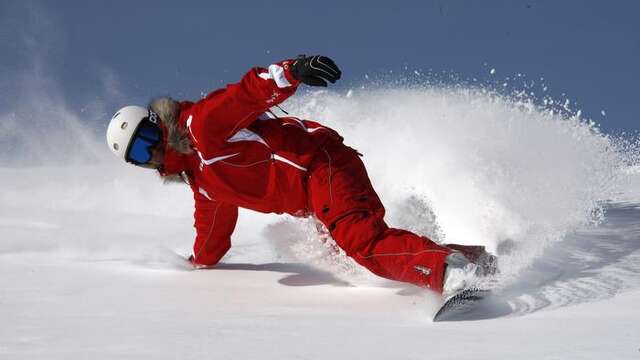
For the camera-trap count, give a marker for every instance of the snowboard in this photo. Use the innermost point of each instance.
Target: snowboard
(464, 302)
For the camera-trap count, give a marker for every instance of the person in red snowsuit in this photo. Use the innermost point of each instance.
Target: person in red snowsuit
(234, 153)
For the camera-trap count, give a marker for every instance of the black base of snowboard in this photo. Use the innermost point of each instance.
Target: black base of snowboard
(460, 304)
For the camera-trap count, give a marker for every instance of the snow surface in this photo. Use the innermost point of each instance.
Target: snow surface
(91, 249)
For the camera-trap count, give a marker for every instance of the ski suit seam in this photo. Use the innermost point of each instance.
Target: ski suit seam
(246, 165)
(213, 223)
(401, 254)
(330, 175)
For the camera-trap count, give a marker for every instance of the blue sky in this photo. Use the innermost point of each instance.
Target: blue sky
(118, 52)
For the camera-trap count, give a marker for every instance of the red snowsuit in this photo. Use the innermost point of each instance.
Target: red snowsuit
(244, 158)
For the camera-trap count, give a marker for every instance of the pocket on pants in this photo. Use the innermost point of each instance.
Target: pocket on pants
(342, 189)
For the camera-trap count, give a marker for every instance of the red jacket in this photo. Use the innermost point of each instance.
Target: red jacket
(244, 158)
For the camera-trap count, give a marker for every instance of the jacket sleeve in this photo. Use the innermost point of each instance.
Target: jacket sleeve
(214, 223)
(225, 111)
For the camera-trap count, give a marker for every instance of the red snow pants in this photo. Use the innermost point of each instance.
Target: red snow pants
(342, 198)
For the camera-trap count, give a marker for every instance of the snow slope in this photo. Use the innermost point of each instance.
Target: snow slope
(90, 250)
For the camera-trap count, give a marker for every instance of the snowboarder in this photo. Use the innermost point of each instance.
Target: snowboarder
(234, 153)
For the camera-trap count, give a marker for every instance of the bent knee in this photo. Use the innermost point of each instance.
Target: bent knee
(355, 233)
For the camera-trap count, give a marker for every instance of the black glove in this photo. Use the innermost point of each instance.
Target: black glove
(315, 70)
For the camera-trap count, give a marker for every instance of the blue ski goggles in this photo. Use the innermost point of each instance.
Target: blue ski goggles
(147, 135)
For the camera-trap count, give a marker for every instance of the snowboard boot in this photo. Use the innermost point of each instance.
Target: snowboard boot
(487, 263)
(465, 267)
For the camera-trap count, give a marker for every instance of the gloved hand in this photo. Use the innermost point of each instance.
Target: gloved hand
(197, 266)
(315, 70)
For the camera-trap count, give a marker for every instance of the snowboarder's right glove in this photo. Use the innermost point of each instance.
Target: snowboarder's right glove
(315, 70)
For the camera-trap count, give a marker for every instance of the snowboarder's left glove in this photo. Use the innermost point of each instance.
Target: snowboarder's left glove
(315, 70)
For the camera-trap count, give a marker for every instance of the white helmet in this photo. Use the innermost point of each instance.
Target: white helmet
(124, 126)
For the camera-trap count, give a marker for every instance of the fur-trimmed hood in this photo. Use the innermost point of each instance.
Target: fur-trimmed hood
(169, 112)
(178, 143)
